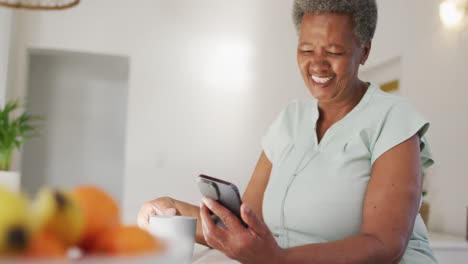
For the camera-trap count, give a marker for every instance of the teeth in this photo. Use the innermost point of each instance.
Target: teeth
(321, 80)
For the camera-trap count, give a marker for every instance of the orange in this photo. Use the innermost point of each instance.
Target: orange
(127, 240)
(100, 212)
(45, 245)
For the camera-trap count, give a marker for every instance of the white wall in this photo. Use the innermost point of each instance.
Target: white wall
(83, 98)
(5, 29)
(384, 72)
(190, 112)
(206, 78)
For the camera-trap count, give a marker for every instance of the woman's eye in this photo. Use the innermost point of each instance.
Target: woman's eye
(307, 51)
(334, 53)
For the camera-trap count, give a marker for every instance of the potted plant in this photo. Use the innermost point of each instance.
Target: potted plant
(15, 129)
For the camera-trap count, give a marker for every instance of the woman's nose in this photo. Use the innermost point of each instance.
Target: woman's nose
(319, 63)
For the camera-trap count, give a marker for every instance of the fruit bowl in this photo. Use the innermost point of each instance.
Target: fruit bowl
(42, 230)
(158, 258)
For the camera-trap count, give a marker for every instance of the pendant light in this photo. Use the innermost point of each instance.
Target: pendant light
(40, 4)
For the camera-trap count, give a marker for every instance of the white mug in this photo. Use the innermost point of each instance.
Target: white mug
(177, 232)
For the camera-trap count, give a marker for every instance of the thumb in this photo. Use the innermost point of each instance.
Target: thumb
(144, 215)
(252, 220)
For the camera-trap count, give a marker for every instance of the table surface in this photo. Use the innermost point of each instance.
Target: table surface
(205, 255)
(445, 241)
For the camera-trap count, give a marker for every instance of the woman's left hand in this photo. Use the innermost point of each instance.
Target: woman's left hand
(252, 244)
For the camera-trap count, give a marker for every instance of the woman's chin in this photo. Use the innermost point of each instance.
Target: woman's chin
(321, 94)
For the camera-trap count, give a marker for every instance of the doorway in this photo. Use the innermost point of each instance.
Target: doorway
(83, 100)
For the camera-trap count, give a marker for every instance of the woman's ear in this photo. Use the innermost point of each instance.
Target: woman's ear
(365, 54)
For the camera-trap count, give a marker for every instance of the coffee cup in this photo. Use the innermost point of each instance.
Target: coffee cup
(177, 232)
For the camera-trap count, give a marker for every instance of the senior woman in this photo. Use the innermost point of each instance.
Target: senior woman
(339, 179)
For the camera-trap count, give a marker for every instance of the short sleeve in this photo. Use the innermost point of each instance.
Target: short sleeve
(280, 133)
(402, 122)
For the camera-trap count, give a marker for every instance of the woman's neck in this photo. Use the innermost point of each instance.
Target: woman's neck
(331, 112)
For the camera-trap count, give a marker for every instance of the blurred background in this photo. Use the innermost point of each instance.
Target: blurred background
(139, 97)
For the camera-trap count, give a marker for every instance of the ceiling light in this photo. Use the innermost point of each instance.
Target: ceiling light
(452, 12)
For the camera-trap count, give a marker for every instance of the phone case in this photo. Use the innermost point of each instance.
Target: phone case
(223, 192)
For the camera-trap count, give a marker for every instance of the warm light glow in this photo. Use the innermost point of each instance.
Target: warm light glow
(452, 12)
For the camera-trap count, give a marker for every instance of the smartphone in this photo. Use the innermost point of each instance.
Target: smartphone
(224, 193)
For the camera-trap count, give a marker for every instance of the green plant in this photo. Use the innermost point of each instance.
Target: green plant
(14, 131)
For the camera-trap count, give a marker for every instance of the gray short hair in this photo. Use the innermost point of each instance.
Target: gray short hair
(363, 12)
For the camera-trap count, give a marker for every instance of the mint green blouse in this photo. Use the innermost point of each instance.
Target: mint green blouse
(316, 190)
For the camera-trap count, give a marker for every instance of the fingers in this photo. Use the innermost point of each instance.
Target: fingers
(142, 222)
(226, 216)
(151, 209)
(144, 214)
(254, 223)
(159, 210)
(170, 211)
(211, 232)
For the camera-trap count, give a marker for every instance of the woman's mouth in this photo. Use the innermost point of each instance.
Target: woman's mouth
(321, 81)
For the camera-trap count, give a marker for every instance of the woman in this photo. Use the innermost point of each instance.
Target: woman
(339, 179)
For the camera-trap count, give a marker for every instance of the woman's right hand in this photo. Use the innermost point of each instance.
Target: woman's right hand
(158, 206)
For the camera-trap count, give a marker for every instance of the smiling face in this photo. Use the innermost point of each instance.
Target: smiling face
(329, 55)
